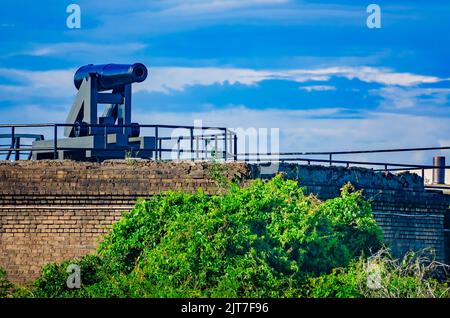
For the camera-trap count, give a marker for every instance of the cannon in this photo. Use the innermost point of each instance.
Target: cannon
(111, 76)
(107, 136)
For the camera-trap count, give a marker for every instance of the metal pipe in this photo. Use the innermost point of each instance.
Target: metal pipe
(439, 171)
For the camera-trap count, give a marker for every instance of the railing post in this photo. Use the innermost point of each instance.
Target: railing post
(197, 146)
(191, 131)
(156, 142)
(235, 147)
(331, 159)
(216, 144)
(17, 146)
(13, 141)
(226, 144)
(55, 142)
(178, 148)
(230, 141)
(423, 176)
(105, 136)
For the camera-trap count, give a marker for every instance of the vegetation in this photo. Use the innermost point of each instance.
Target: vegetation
(269, 239)
(381, 276)
(5, 285)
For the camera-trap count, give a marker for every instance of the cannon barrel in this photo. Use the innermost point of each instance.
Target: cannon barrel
(110, 76)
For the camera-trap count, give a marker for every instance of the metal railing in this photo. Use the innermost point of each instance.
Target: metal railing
(16, 144)
(198, 143)
(329, 158)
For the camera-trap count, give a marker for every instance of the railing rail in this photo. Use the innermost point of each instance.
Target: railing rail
(206, 142)
(223, 138)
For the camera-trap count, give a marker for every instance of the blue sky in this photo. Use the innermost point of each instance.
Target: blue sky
(311, 68)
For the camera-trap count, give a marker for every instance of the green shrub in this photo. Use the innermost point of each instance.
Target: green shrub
(382, 276)
(5, 285)
(53, 279)
(263, 240)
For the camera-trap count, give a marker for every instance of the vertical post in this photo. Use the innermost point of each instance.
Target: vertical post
(226, 143)
(235, 147)
(160, 148)
(17, 146)
(191, 130)
(127, 109)
(216, 144)
(156, 142)
(230, 138)
(439, 170)
(90, 105)
(105, 136)
(178, 148)
(423, 176)
(13, 139)
(55, 142)
(331, 159)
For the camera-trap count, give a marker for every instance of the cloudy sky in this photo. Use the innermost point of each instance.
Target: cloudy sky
(311, 68)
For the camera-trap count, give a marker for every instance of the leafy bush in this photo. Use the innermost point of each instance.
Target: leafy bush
(5, 285)
(263, 240)
(382, 276)
(53, 280)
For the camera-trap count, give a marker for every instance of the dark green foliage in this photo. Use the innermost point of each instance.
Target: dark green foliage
(5, 285)
(264, 240)
(53, 280)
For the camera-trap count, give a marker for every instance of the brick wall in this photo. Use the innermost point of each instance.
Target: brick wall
(56, 210)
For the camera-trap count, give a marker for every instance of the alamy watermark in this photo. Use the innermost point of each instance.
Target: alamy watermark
(373, 276)
(73, 21)
(74, 279)
(254, 144)
(374, 19)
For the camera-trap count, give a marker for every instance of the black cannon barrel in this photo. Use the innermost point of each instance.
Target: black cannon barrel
(110, 76)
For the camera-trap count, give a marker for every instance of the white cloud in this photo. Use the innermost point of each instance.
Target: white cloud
(319, 88)
(83, 51)
(52, 83)
(412, 97)
(165, 79)
(58, 83)
(211, 6)
(82, 48)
